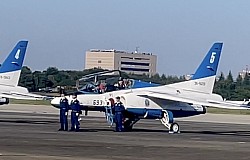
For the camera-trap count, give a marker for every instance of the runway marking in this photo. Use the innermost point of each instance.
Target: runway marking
(241, 142)
(11, 155)
(197, 138)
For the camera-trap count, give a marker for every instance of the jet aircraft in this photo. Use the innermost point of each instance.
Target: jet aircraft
(10, 72)
(167, 102)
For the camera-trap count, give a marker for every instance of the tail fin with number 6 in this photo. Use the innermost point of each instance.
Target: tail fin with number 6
(204, 77)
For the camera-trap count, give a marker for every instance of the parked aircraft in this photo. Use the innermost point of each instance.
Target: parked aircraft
(10, 72)
(167, 102)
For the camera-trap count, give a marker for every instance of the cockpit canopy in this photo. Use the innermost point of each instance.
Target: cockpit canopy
(107, 81)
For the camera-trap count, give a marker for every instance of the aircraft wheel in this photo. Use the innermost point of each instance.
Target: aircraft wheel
(174, 128)
(128, 126)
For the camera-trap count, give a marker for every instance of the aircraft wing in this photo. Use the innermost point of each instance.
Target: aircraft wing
(16, 95)
(203, 102)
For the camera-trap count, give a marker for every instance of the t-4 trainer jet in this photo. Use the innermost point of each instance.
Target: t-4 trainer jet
(10, 72)
(170, 101)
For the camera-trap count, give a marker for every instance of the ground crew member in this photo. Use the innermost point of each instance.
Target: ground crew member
(119, 111)
(75, 107)
(64, 108)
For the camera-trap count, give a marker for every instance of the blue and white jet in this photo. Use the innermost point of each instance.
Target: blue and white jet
(10, 72)
(170, 101)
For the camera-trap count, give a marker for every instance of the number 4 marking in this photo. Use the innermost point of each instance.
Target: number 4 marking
(17, 54)
(212, 57)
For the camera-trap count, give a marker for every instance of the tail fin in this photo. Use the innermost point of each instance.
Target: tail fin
(204, 77)
(10, 70)
(209, 65)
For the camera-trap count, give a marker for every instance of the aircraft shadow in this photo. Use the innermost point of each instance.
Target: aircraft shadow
(94, 130)
(112, 130)
(222, 133)
(28, 121)
(141, 130)
(148, 130)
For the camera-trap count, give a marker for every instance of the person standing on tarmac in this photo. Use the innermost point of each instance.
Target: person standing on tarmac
(64, 108)
(119, 111)
(76, 109)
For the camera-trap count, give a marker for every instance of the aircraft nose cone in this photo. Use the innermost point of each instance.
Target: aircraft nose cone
(55, 102)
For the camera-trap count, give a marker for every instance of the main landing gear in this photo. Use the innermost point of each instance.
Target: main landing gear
(168, 121)
(128, 123)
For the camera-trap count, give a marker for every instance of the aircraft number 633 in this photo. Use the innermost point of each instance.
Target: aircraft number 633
(97, 102)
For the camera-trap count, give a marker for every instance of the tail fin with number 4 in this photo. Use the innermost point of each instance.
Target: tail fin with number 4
(10, 70)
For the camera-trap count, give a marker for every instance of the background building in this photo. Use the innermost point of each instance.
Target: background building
(243, 73)
(137, 63)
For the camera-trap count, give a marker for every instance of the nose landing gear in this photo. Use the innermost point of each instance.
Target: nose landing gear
(168, 121)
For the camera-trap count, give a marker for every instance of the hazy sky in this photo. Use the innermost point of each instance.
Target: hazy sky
(180, 32)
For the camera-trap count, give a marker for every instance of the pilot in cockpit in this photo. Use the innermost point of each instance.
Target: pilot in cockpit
(121, 84)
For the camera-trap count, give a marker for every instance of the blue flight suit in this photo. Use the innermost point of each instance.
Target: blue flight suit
(64, 108)
(76, 109)
(119, 111)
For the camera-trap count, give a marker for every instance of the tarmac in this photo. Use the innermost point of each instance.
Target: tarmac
(30, 132)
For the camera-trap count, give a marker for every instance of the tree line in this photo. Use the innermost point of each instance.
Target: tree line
(51, 77)
(231, 89)
(226, 86)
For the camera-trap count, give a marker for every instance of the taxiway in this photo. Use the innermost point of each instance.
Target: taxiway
(33, 135)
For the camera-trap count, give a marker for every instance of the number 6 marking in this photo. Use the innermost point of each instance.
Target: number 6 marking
(212, 57)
